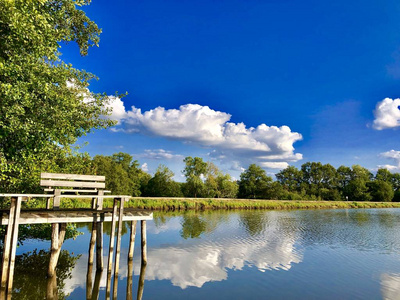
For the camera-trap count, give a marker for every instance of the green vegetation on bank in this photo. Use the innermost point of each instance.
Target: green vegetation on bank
(200, 204)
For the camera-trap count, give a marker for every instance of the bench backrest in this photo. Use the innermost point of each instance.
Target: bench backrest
(53, 180)
(73, 183)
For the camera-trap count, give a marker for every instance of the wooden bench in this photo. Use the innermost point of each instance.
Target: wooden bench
(73, 184)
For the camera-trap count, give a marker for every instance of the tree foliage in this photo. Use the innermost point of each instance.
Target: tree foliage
(45, 103)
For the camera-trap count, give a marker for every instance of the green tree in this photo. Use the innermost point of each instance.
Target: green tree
(123, 175)
(290, 178)
(380, 191)
(162, 184)
(45, 103)
(254, 183)
(195, 170)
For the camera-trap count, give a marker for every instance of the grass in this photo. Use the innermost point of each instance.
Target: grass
(183, 204)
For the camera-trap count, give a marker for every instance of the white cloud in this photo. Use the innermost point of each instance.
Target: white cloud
(144, 167)
(159, 154)
(387, 114)
(394, 156)
(269, 146)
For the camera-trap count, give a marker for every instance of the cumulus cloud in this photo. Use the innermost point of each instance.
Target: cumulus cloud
(269, 146)
(387, 114)
(159, 154)
(145, 167)
(394, 156)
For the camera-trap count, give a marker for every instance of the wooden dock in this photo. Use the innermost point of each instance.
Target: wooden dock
(73, 216)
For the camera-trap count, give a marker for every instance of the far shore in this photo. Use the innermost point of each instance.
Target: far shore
(200, 204)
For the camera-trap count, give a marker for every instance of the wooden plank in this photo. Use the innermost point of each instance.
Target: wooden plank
(77, 190)
(75, 184)
(72, 176)
(56, 200)
(75, 217)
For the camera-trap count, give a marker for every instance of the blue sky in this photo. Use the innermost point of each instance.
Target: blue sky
(200, 75)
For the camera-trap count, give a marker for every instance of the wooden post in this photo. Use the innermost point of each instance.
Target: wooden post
(144, 242)
(99, 205)
(89, 281)
(7, 248)
(118, 248)
(132, 240)
(14, 241)
(111, 249)
(92, 244)
(10, 247)
(57, 239)
(56, 199)
(99, 246)
(141, 281)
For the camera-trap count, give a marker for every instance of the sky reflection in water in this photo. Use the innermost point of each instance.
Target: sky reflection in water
(331, 254)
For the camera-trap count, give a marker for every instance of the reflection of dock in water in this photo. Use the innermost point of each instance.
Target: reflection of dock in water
(58, 219)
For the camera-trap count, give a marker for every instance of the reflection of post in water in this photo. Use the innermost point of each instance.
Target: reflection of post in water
(51, 291)
(141, 281)
(118, 248)
(129, 284)
(89, 282)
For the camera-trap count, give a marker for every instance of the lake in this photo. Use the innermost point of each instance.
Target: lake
(307, 254)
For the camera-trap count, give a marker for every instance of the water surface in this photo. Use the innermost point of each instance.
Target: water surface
(310, 254)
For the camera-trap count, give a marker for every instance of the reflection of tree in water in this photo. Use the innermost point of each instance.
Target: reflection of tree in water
(195, 223)
(253, 221)
(30, 277)
(192, 226)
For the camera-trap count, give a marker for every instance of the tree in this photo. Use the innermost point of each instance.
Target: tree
(290, 178)
(195, 169)
(254, 183)
(162, 184)
(380, 191)
(45, 103)
(123, 175)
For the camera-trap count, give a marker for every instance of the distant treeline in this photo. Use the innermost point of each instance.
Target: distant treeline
(313, 181)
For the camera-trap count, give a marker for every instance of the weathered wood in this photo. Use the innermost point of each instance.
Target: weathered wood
(56, 199)
(99, 205)
(93, 191)
(118, 247)
(57, 239)
(99, 247)
(141, 281)
(7, 250)
(75, 184)
(13, 250)
(111, 248)
(92, 243)
(144, 242)
(75, 216)
(132, 240)
(72, 176)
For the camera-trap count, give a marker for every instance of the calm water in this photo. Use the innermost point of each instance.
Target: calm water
(324, 254)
